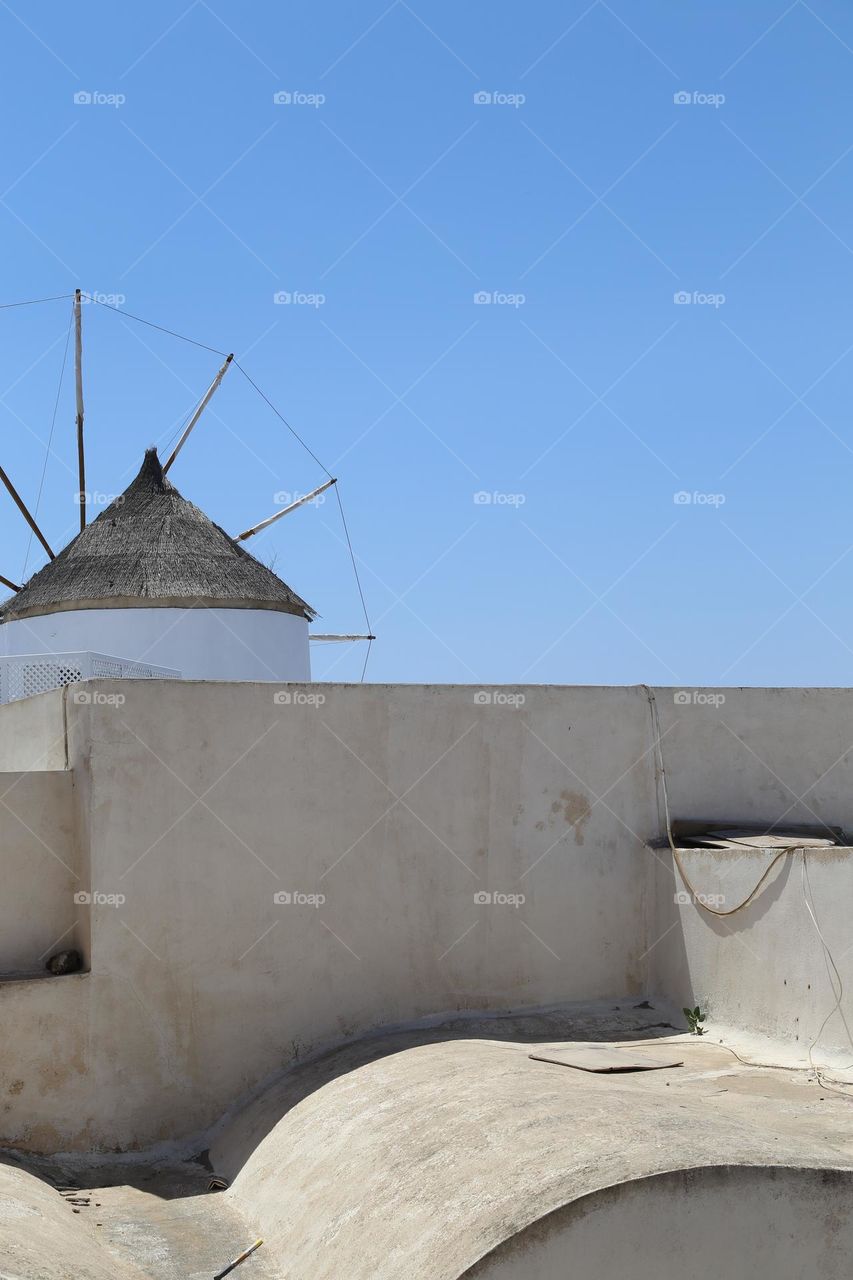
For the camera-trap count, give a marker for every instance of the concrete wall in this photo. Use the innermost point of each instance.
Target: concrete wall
(203, 644)
(300, 866)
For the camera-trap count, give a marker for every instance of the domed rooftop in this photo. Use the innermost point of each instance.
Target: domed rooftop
(152, 548)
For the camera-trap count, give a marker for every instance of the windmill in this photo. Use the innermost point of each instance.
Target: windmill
(153, 580)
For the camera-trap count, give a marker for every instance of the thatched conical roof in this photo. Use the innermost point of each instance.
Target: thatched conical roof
(153, 548)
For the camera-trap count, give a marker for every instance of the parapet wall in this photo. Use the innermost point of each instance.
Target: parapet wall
(272, 870)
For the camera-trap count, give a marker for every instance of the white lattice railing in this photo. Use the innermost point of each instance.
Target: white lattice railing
(25, 675)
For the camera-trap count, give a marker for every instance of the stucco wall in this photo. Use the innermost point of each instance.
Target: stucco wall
(198, 803)
(32, 733)
(758, 755)
(38, 868)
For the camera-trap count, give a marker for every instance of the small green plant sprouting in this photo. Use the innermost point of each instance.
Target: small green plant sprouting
(695, 1017)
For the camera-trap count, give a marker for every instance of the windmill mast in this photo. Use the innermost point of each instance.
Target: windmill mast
(300, 502)
(78, 372)
(198, 412)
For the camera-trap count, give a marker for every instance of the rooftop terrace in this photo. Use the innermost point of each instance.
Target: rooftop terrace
(324, 928)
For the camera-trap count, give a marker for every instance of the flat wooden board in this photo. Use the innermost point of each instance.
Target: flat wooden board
(609, 1058)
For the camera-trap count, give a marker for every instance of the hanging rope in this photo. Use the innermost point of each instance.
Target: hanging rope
(699, 898)
(833, 972)
(50, 437)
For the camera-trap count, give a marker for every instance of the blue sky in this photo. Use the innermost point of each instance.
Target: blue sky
(581, 197)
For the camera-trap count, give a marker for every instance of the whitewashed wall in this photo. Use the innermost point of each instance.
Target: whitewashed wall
(201, 643)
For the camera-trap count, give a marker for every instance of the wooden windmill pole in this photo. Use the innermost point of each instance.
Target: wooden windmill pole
(22, 507)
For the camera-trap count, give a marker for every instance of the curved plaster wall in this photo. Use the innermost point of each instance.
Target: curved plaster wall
(417, 1156)
(697, 1224)
(201, 643)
